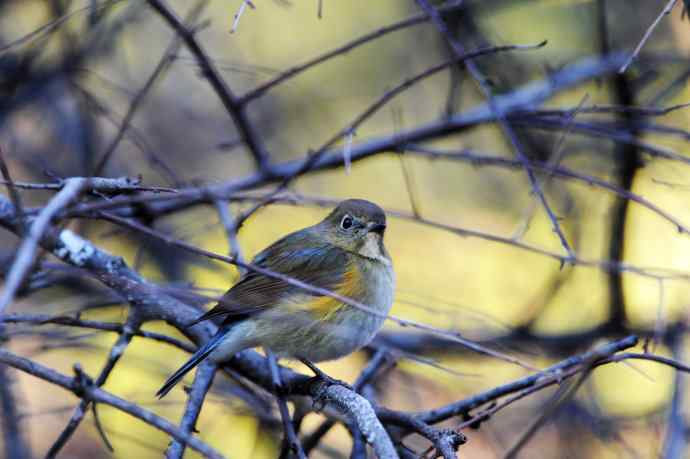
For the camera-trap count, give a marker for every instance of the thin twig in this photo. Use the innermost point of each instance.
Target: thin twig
(231, 228)
(14, 442)
(563, 394)
(116, 352)
(648, 33)
(162, 66)
(43, 319)
(197, 393)
(290, 440)
(343, 49)
(238, 15)
(96, 395)
(458, 50)
(29, 246)
(12, 191)
(102, 186)
(552, 373)
(234, 106)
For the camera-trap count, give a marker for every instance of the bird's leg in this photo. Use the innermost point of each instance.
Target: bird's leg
(323, 376)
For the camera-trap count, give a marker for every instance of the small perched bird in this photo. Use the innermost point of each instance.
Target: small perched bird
(344, 254)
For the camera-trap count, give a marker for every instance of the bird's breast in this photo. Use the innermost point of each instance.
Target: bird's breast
(324, 328)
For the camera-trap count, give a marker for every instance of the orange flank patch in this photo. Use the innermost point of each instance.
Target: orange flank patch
(324, 306)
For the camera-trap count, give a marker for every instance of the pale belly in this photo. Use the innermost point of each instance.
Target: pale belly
(298, 335)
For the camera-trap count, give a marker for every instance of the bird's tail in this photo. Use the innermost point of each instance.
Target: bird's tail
(203, 352)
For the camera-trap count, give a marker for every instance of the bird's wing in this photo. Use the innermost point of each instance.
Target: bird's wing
(299, 256)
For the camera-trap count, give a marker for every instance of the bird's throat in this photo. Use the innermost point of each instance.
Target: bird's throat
(373, 248)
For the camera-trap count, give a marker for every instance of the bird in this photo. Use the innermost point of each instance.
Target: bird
(344, 254)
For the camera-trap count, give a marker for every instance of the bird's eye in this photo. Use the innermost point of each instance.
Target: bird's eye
(346, 223)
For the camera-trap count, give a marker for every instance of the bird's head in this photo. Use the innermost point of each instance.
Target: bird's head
(357, 226)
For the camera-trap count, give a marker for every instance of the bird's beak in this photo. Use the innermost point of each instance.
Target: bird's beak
(376, 228)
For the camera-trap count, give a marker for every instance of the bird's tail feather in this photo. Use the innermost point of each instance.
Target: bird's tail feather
(203, 352)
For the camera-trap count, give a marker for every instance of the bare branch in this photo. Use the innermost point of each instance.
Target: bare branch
(197, 393)
(550, 374)
(162, 66)
(341, 50)
(232, 104)
(116, 351)
(14, 442)
(96, 395)
(664, 12)
(505, 126)
(358, 409)
(29, 246)
(43, 319)
(115, 185)
(291, 443)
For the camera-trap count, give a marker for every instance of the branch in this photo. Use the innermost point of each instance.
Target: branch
(200, 387)
(232, 104)
(551, 374)
(152, 303)
(162, 66)
(101, 185)
(380, 358)
(29, 246)
(343, 49)
(86, 390)
(458, 50)
(527, 97)
(116, 351)
(44, 319)
(664, 12)
(360, 412)
(291, 443)
(13, 440)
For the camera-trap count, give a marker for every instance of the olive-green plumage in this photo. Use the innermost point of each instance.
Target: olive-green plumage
(344, 254)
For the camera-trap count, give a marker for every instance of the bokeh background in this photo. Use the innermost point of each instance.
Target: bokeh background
(66, 88)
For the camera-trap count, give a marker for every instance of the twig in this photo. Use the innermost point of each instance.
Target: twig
(12, 191)
(552, 170)
(675, 444)
(116, 351)
(664, 12)
(551, 373)
(42, 319)
(233, 105)
(290, 440)
(231, 228)
(347, 133)
(563, 394)
(162, 66)
(358, 409)
(27, 250)
(89, 392)
(200, 387)
(13, 439)
(458, 50)
(54, 24)
(343, 49)
(525, 97)
(97, 184)
(238, 15)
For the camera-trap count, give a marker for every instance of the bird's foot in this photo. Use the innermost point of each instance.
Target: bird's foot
(323, 377)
